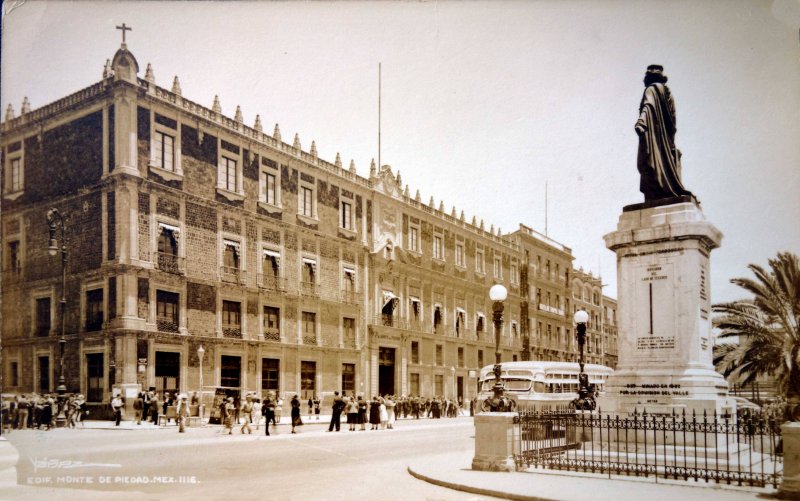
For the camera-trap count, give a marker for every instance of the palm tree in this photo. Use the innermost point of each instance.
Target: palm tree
(767, 327)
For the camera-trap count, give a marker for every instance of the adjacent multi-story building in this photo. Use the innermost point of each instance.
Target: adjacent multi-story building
(202, 252)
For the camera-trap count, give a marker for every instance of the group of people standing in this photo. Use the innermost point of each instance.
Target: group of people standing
(34, 411)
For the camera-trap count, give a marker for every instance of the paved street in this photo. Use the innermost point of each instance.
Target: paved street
(312, 464)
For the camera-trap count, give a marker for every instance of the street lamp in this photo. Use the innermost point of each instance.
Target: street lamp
(200, 353)
(56, 222)
(585, 400)
(498, 402)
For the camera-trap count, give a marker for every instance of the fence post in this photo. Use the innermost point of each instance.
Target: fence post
(497, 440)
(790, 488)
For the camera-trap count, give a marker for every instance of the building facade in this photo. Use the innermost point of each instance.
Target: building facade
(204, 253)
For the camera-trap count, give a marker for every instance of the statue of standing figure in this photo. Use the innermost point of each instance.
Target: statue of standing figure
(659, 161)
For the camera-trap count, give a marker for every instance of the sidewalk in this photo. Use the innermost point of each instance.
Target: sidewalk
(454, 471)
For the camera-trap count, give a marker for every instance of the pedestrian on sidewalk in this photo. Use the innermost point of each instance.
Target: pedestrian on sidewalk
(352, 413)
(226, 409)
(310, 407)
(116, 406)
(384, 415)
(138, 405)
(336, 412)
(390, 408)
(182, 412)
(257, 411)
(375, 413)
(247, 414)
(268, 411)
(362, 413)
(296, 421)
(316, 406)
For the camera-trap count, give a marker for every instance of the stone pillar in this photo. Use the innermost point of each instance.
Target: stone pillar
(790, 488)
(496, 441)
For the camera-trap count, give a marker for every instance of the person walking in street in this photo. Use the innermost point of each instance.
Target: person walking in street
(116, 406)
(247, 414)
(182, 412)
(268, 411)
(336, 412)
(296, 421)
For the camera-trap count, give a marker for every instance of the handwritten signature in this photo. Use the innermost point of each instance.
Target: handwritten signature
(60, 464)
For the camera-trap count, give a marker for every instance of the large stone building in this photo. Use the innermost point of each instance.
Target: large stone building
(186, 229)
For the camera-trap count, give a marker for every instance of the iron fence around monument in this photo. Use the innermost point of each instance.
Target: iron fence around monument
(741, 450)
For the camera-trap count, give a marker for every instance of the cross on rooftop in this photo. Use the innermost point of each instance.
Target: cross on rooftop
(124, 29)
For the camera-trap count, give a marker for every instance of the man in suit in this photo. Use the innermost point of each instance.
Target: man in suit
(268, 411)
(336, 412)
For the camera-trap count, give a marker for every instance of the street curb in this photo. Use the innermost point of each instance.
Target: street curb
(475, 490)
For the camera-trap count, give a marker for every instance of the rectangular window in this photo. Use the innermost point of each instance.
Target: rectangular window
(514, 329)
(309, 271)
(167, 254)
(413, 238)
(346, 215)
(348, 379)
(437, 319)
(16, 175)
(231, 319)
(309, 328)
(438, 247)
(14, 369)
(498, 267)
(479, 262)
(480, 358)
(415, 384)
(460, 356)
(308, 379)
(270, 374)
(44, 374)
(94, 377)
(228, 174)
(349, 332)
(43, 316)
(416, 311)
(439, 355)
(460, 255)
(461, 319)
(94, 310)
(164, 147)
(269, 188)
(270, 270)
(230, 256)
(272, 323)
(349, 285)
(306, 203)
(514, 274)
(168, 371)
(414, 352)
(479, 321)
(167, 311)
(439, 385)
(13, 262)
(230, 373)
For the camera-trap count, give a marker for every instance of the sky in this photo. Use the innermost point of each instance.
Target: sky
(485, 106)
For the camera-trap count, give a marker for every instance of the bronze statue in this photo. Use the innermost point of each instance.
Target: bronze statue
(659, 161)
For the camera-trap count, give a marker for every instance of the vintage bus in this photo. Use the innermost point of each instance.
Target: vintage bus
(541, 384)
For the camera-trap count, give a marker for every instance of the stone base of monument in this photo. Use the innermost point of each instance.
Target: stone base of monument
(790, 488)
(665, 345)
(496, 441)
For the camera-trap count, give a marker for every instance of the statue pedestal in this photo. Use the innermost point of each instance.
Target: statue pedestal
(496, 441)
(665, 345)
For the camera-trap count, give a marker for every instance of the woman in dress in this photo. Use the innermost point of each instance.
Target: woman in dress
(375, 413)
(390, 407)
(296, 421)
(352, 413)
(362, 412)
(384, 414)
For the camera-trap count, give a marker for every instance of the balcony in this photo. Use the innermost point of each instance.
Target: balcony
(271, 282)
(170, 263)
(232, 331)
(310, 289)
(166, 325)
(349, 296)
(232, 274)
(394, 321)
(272, 335)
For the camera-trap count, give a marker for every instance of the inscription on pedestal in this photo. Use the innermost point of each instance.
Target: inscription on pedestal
(655, 343)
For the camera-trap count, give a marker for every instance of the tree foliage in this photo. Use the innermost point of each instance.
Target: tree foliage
(765, 325)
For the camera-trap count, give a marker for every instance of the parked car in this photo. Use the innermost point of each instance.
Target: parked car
(742, 404)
